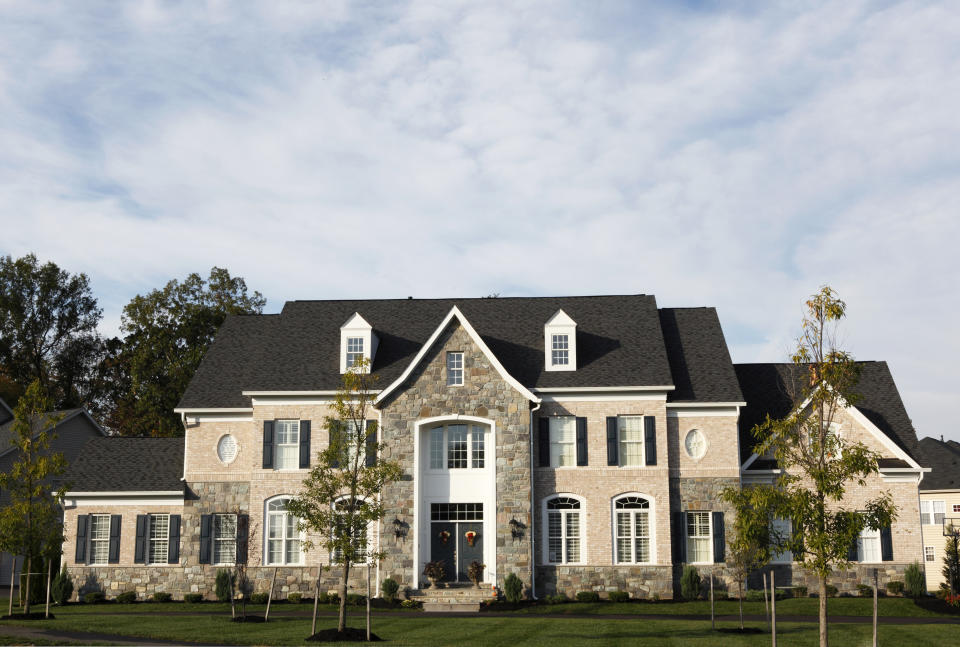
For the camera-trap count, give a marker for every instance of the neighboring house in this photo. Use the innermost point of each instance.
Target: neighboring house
(74, 429)
(939, 503)
(579, 442)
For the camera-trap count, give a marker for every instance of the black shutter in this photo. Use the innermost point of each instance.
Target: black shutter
(80, 555)
(650, 439)
(206, 537)
(543, 439)
(113, 557)
(797, 537)
(243, 532)
(581, 441)
(268, 444)
(370, 456)
(679, 537)
(886, 544)
(719, 539)
(140, 546)
(304, 444)
(852, 551)
(173, 543)
(612, 441)
(336, 441)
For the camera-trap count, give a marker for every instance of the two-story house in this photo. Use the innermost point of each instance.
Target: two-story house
(578, 442)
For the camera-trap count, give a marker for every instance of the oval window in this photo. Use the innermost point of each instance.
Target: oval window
(227, 449)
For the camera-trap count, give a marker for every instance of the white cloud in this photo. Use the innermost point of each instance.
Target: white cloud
(440, 149)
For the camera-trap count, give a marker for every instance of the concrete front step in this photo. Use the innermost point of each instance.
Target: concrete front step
(452, 607)
(465, 599)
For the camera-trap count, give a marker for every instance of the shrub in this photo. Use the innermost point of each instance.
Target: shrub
(94, 597)
(721, 595)
(655, 597)
(895, 587)
(832, 591)
(356, 600)
(588, 596)
(390, 588)
(690, 583)
(127, 597)
(258, 598)
(799, 591)
(754, 596)
(323, 598)
(559, 598)
(294, 598)
(224, 577)
(618, 596)
(865, 590)
(62, 587)
(513, 588)
(193, 598)
(38, 586)
(162, 596)
(914, 581)
(411, 604)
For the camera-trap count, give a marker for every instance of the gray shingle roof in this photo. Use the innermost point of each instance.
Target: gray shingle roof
(113, 464)
(6, 429)
(619, 343)
(765, 389)
(943, 458)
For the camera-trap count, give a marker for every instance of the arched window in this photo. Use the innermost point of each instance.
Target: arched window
(359, 533)
(563, 530)
(632, 521)
(283, 535)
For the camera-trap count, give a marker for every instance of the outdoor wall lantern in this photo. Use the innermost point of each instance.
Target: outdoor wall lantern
(517, 529)
(400, 528)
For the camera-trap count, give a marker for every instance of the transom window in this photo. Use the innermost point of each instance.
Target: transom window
(929, 554)
(563, 441)
(563, 530)
(932, 512)
(159, 534)
(99, 538)
(283, 535)
(698, 538)
(868, 545)
(457, 446)
(455, 369)
(632, 528)
(354, 351)
(287, 454)
(631, 439)
(456, 512)
(224, 538)
(560, 350)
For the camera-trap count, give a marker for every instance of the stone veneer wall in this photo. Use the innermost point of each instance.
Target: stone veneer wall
(703, 494)
(484, 394)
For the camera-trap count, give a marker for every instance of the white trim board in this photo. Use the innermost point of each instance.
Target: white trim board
(455, 312)
(214, 410)
(576, 389)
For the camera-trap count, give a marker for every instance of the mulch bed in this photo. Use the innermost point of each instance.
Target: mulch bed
(247, 619)
(36, 615)
(937, 605)
(349, 635)
(738, 630)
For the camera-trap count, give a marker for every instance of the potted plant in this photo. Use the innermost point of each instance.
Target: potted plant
(475, 572)
(434, 572)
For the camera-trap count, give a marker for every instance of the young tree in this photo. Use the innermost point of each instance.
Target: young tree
(817, 465)
(166, 334)
(30, 524)
(48, 329)
(340, 497)
(750, 548)
(951, 561)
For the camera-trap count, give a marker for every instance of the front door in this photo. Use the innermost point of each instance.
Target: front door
(443, 547)
(470, 548)
(456, 538)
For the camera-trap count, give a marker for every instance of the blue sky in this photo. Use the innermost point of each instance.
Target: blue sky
(732, 155)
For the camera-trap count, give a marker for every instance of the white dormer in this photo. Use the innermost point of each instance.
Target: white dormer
(356, 340)
(560, 343)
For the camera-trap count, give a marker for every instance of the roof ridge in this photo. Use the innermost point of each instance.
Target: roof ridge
(567, 296)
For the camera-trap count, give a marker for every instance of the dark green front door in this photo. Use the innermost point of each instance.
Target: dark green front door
(470, 547)
(443, 547)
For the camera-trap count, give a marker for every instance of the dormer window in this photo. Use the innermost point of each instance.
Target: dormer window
(357, 342)
(560, 343)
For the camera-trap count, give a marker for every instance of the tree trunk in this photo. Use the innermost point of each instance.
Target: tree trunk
(368, 602)
(823, 611)
(233, 595)
(342, 622)
(773, 609)
(26, 598)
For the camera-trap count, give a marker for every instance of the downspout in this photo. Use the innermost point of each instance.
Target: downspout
(183, 421)
(532, 533)
(376, 589)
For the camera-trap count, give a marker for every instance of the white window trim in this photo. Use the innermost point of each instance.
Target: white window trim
(277, 446)
(266, 534)
(148, 553)
(879, 539)
(445, 439)
(651, 523)
(643, 443)
(546, 529)
(560, 324)
(213, 531)
(686, 535)
(930, 505)
(933, 553)
(573, 465)
(90, 540)
(462, 369)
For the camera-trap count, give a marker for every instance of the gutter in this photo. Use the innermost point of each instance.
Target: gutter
(533, 552)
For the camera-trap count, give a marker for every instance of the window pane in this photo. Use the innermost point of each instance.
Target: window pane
(698, 537)
(631, 440)
(477, 457)
(99, 538)
(938, 512)
(454, 369)
(159, 527)
(354, 350)
(555, 534)
(928, 554)
(560, 352)
(457, 446)
(436, 448)
(563, 432)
